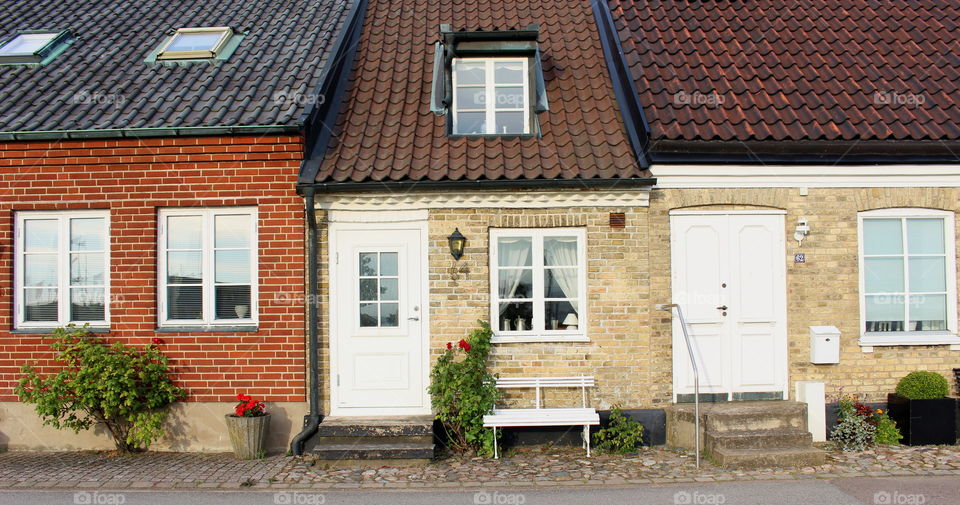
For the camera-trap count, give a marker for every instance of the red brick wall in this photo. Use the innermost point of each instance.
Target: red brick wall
(134, 179)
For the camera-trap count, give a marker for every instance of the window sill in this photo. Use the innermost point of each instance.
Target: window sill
(523, 339)
(908, 338)
(47, 331)
(207, 329)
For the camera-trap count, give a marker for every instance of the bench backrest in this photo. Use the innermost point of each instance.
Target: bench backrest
(537, 383)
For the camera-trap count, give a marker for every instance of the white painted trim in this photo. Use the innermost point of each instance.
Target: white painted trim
(803, 176)
(908, 338)
(758, 212)
(359, 217)
(489, 87)
(500, 199)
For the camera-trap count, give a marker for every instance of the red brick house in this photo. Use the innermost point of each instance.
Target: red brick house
(148, 157)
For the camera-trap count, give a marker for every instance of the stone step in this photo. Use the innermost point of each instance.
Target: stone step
(374, 451)
(745, 416)
(364, 439)
(769, 457)
(784, 438)
(399, 426)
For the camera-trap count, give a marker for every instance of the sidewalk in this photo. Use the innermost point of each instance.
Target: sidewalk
(534, 466)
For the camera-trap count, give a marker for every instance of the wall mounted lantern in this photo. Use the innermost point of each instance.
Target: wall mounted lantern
(457, 242)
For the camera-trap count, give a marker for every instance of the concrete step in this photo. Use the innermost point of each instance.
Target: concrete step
(768, 457)
(374, 451)
(399, 426)
(374, 439)
(384, 440)
(741, 416)
(783, 438)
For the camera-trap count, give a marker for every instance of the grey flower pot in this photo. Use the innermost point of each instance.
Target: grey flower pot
(248, 435)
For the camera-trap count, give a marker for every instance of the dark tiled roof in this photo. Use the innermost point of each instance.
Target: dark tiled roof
(810, 70)
(283, 52)
(386, 131)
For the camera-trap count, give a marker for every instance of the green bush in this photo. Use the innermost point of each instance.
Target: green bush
(462, 390)
(853, 434)
(125, 389)
(923, 386)
(886, 432)
(622, 435)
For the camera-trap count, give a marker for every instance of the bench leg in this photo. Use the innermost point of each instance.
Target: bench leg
(586, 438)
(495, 454)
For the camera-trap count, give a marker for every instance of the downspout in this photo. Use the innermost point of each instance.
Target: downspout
(312, 420)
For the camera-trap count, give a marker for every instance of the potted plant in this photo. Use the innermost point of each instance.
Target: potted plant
(248, 427)
(923, 412)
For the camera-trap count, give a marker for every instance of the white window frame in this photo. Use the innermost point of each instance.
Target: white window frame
(208, 267)
(46, 45)
(490, 92)
(538, 333)
(949, 337)
(63, 265)
(226, 33)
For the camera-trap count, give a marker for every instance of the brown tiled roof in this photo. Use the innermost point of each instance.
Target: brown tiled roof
(808, 70)
(386, 131)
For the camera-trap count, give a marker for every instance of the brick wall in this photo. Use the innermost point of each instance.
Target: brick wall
(135, 178)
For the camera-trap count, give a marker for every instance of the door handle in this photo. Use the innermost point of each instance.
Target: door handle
(414, 318)
(722, 307)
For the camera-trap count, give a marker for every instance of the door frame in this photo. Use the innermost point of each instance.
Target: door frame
(782, 346)
(343, 221)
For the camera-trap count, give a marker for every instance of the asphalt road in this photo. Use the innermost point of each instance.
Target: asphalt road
(847, 491)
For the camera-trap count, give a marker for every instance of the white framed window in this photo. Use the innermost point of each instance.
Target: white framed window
(538, 284)
(491, 96)
(62, 268)
(195, 43)
(208, 266)
(27, 44)
(908, 284)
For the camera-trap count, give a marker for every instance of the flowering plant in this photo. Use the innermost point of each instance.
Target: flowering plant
(248, 407)
(860, 426)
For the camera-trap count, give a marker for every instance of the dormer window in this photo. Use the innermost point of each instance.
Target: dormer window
(33, 46)
(195, 43)
(489, 82)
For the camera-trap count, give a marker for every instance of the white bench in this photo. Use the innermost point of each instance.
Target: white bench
(540, 416)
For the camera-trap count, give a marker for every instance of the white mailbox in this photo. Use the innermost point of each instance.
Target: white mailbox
(824, 345)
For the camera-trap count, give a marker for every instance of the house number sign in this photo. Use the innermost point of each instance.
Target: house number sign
(800, 258)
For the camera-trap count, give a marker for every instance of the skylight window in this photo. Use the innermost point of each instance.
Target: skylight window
(195, 43)
(32, 47)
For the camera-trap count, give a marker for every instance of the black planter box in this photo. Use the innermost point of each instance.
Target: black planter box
(924, 422)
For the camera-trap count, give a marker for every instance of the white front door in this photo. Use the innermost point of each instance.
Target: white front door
(729, 278)
(378, 318)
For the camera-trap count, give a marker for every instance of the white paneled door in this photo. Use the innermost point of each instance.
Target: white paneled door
(379, 322)
(729, 278)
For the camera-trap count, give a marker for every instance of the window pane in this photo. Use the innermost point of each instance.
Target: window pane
(368, 289)
(231, 231)
(884, 313)
(232, 302)
(508, 73)
(882, 236)
(516, 283)
(86, 269)
(509, 122)
(368, 264)
(40, 235)
(560, 316)
(184, 302)
(927, 274)
(184, 268)
(515, 251)
(204, 41)
(26, 43)
(87, 234)
(473, 72)
(560, 251)
(471, 123)
(389, 289)
(471, 98)
(516, 316)
(928, 313)
(883, 275)
(389, 314)
(509, 98)
(87, 304)
(183, 232)
(925, 236)
(40, 304)
(368, 314)
(560, 283)
(388, 263)
(40, 270)
(232, 266)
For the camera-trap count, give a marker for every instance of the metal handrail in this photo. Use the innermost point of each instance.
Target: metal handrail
(696, 374)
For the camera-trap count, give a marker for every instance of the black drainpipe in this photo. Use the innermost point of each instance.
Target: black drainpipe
(312, 420)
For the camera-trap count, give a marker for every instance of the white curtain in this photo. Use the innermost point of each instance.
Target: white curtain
(513, 252)
(563, 251)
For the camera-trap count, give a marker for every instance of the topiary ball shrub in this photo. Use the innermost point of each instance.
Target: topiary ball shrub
(923, 386)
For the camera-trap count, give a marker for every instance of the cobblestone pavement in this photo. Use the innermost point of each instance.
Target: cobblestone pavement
(533, 466)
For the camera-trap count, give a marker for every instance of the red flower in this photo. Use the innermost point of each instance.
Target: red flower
(243, 398)
(463, 345)
(157, 340)
(449, 345)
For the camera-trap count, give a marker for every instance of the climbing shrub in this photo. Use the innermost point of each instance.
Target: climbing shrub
(462, 390)
(622, 435)
(125, 389)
